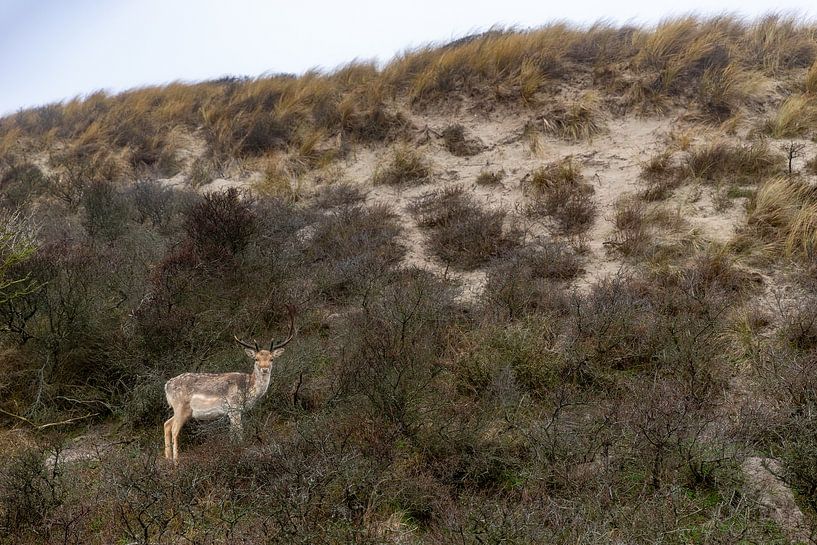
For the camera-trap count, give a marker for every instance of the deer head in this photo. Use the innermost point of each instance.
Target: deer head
(263, 357)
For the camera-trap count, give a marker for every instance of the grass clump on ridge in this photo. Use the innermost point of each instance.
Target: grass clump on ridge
(710, 63)
(579, 119)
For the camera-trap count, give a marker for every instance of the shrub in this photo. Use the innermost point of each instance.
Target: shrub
(406, 167)
(389, 353)
(153, 202)
(457, 143)
(20, 183)
(558, 190)
(526, 279)
(221, 221)
(18, 243)
(351, 247)
(106, 211)
(460, 231)
(490, 177)
(29, 491)
(631, 235)
(340, 194)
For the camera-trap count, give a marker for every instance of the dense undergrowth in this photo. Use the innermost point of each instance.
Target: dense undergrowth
(400, 408)
(532, 412)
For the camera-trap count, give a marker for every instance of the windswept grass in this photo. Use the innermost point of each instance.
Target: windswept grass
(783, 212)
(579, 119)
(713, 64)
(737, 164)
(810, 80)
(795, 117)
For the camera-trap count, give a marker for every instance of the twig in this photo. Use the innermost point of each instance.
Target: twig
(50, 424)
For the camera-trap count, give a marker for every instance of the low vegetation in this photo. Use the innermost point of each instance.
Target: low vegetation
(405, 167)
(458, 143)
(796, 116)
(490, 177)
(558, 190)
(739, 164)
(460, 231)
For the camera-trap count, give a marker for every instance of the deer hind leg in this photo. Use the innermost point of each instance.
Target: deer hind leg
(235, 425)
(176, 426)
(168, 437)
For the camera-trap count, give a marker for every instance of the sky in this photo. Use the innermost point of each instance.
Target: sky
(51, 50)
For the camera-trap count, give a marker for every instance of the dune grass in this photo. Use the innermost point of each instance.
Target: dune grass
(795, 117)
(712, 63)
(783, 213)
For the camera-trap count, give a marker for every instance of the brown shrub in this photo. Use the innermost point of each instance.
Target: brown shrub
(490, 177)
(341, 194)
(221, 221)
(458, 144)
(527, 279)
(405, 167)
(558, 190)
(461, 232)
(350, 247)
(631, 235)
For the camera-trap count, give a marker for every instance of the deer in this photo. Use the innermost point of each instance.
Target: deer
(208, 396)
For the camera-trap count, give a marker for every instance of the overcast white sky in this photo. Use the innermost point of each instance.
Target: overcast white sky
(55, 49)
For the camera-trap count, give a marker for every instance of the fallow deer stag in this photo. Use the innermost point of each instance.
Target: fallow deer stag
(207, 396)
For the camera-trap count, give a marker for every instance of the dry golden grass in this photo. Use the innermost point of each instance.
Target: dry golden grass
(795, 117)
(784, 214)
(279, 179)
(775, 43)
(810, 80)
(713, 64)
(737, 164)
(579, 119)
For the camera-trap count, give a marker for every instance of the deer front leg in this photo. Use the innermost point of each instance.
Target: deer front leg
(235, 425)
(168, 438)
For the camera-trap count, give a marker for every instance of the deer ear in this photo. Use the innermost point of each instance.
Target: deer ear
(250, 353)
(278, 352)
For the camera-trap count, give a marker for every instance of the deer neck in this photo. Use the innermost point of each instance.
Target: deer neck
(259, 383)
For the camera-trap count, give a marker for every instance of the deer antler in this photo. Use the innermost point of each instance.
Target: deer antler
(272, 344)
(247, 345)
